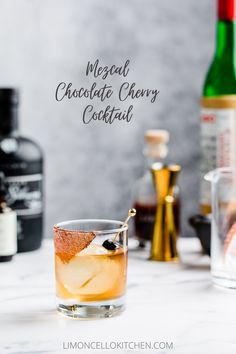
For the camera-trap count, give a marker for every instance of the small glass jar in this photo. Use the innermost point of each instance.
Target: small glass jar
(223, 226)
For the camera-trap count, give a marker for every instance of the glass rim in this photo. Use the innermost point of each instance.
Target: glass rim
(62, 226)
(213, 174)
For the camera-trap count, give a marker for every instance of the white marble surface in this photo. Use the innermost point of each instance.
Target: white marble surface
(165, 302)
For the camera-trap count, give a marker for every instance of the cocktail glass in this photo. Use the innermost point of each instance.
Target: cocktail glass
(90, 277)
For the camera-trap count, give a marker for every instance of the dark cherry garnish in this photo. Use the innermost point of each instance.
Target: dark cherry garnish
(110, 245)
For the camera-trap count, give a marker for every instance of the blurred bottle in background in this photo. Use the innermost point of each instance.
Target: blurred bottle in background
(218, 105)
(144, 194)
(21, 161)
(8, 232)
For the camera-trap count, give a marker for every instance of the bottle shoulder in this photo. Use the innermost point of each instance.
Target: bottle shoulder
(146, 178)
(144, 190)
(20, 156)
(20, 147)
(26, 143)
(220, 78)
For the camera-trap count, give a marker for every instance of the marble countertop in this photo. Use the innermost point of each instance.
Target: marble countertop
(174, 303)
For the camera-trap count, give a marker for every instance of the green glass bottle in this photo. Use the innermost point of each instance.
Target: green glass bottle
(218, 105)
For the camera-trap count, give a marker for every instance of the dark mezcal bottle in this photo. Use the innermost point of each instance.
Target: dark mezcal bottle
(21, 161)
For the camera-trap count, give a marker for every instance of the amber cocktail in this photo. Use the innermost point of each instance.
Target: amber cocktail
(90, 265)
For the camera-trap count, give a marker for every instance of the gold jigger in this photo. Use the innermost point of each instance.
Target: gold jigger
(164, 235)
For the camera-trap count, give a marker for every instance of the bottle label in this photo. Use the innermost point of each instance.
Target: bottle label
(8, 240)
(25, 194)
(218, 138)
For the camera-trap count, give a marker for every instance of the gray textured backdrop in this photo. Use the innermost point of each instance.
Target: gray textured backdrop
(90, 169)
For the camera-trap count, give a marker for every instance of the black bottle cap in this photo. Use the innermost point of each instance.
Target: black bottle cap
(3, 190)
(9, 97)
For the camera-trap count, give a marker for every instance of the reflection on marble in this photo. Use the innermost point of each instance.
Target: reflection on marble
(165, 302)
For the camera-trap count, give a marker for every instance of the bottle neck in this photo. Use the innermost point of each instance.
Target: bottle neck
(225, 39)
(8, 120)
(155, 152)
(149, 161)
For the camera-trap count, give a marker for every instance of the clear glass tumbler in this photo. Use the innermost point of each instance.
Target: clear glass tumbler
(90, 274)
(223, 226)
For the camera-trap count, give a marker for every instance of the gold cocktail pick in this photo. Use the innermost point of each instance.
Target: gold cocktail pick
(111, 245)
(131, 213)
